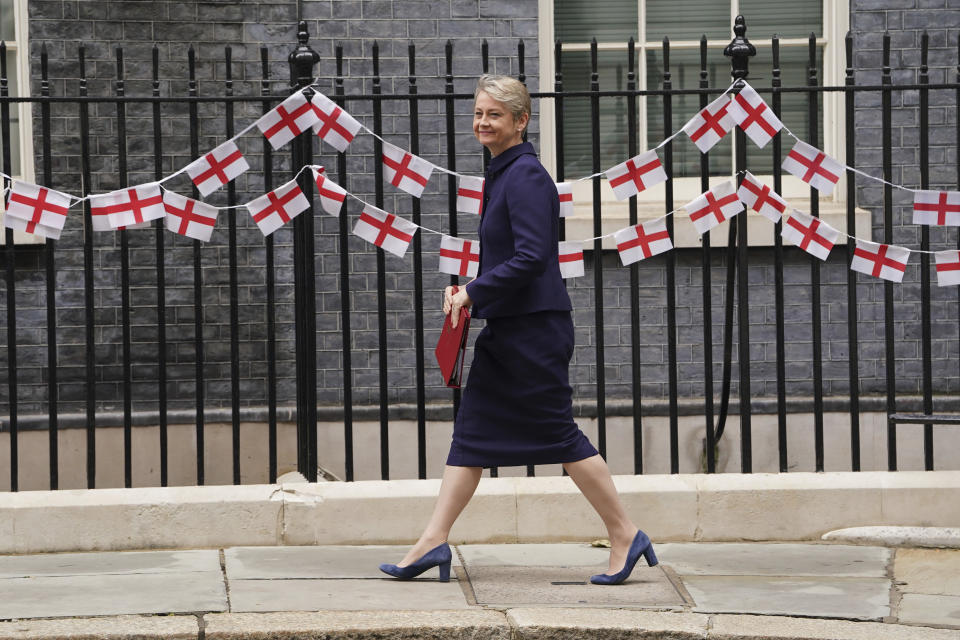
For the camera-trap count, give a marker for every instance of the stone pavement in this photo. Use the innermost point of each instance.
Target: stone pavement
(699, 590)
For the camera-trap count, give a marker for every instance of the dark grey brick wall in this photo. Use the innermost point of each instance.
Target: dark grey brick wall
(173, 26)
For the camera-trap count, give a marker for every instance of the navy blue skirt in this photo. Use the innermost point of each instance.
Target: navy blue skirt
(517, 407)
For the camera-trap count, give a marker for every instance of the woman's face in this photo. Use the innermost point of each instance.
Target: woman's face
(494, 125)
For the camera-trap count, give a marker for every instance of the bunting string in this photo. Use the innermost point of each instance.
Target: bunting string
(43, 211)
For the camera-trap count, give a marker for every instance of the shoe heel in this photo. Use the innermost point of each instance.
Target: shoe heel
(445, 572)
(650, 556)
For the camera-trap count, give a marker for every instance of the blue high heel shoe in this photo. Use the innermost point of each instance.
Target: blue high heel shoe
(641, 546)
(439, 556)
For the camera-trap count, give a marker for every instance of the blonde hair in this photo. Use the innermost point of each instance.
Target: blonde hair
(507, 90)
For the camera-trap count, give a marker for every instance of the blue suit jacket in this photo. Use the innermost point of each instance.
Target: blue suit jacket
(519, 231)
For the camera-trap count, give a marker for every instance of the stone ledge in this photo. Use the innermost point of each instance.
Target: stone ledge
(106, 628)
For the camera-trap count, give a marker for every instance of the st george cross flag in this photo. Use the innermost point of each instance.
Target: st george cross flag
(336, 127)
(713, 207)
(813, 167)
(277, 208)
(459, 257)
(134, 205)
(385, 230)
(100, 209)
(470, 195)
(753, 115)
(642, 241)
(43, 211)
(287, 120)
(761, 198)
(19, 224)
(565, 191)
(571, 259)
(885, 261)
(948, 267)
(810, 234)
(217, 168)
(405, 170)
(710, 125)
(937, 207)
(189, 217)
(635, 175)
(331, 194)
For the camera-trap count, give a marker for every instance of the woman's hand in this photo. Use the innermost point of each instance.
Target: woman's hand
(453, 302)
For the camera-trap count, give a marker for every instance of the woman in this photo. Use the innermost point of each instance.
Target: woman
(517, 405)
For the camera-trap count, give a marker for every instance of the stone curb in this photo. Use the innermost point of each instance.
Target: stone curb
(512, 624)
(720, 507)
(925, 537)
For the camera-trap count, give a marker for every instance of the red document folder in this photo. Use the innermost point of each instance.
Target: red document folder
(452, 348)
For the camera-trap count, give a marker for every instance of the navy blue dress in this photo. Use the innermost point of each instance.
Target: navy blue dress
(517, 405)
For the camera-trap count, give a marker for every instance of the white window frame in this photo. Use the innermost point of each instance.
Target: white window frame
(21, 46)
(836, 19)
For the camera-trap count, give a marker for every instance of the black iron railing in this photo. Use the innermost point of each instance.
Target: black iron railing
(736, 258)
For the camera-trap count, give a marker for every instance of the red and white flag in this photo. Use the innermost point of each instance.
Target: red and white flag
(571, 259)
(643, 240)
(753, 115)
(948, 267)
(885, 261)
(459, 257)
(43, 211)
(275, 209)
(19, 224)
(635, 175)
(217, 168)
(385, 230)
(189, 217)
(100, 208)
(129, 207)
(565, 191)
(813, 235)
(761, 198)
(287, 120)
(713, 207)
(813, 167)
(470, 195)
(405, 170)
(937, 207)
(331, 194)
(709, 126)
(336, 127)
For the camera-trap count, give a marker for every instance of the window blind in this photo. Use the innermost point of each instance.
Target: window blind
(607, 20)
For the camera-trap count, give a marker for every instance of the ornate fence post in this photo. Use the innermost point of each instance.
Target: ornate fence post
(302, 61)
(739, 51)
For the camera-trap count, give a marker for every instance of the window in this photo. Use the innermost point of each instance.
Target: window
(13, 32)
(614, 22)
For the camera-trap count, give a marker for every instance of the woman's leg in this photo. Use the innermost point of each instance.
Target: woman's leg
(592, 477)
(456, 489)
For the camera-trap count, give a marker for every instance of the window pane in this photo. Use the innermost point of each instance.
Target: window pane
(793, 106)
(14, 113)
(6, 20)
(577, 141)
(795, 19)
(688, 20)
(685, 74)
(607, 21)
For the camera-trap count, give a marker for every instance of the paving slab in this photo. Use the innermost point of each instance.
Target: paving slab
(535, 555)
(742, 627)
(925, 609)
(108, 628)
(110, 595)
(932, 571)
(757, 559)
(335, 625)
(246, 563)
(570, 586)
(560, 623)
(853, 598)
(345, 595)
(116, 562)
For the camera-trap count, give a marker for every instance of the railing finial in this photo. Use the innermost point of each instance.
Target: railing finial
(740, 50)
